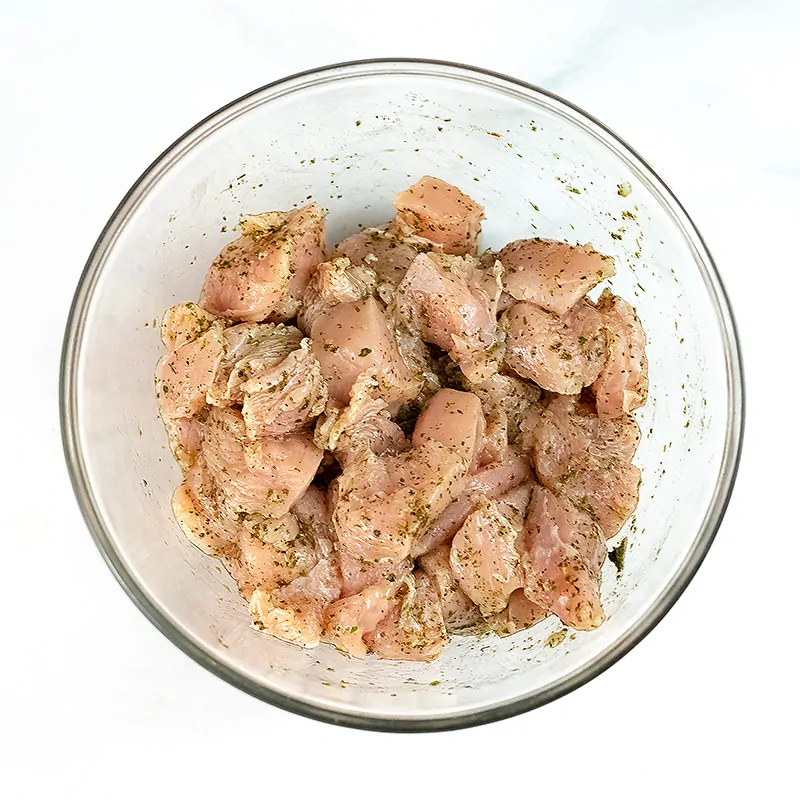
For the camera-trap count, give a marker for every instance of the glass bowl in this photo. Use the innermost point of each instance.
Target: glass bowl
(350, 136)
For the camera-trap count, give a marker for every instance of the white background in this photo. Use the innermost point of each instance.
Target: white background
(95, 703)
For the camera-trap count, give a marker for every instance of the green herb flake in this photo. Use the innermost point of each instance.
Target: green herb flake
(617, 555)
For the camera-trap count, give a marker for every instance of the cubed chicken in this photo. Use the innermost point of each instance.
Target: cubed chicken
(507, 401)
(332, 283)
(266, 476)
(414, 630)
(295, 612)
(561, 552)
(195, 346)
(350, 339)
(456, 420)
(460, 614)
(518, 615)
(491, 482)
(365, 424)
(347, 620)
(185, 436)
(285, 398)
(388, 252)
(441, 213)
(271, 565)
(264, 272)
(621, 386)
(484, 558)
(561, 354)
(250, 348)
(587, 460)
(313, 513)
(198, 514)
(359, 573)
(383, 504)
(553, 275)
(451, 302)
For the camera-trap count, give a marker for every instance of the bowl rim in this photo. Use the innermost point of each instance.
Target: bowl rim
(715, 511)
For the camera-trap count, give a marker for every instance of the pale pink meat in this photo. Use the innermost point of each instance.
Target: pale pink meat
(198, 514)
(484, 558)
(382, 504)
(587, 460)
(185, 436)
(347, 620)
(350, 339)
(364, 424)
(389, 253)
(313, 514)
(334, 282)
(441, 213)
(195, 346)
(269, 566)
(266, 476)
(358, 573)
(460, 614)
(490, 482)
(519, 614)
(456, 420)
(285, 398)
(621, 386)
(414, 630)
(451, 302)
(561, 354)
(508, 403)
(265, 271)
(296, 612)
(553, 275)
(561, 551)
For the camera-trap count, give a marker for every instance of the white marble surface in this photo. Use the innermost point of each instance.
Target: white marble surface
(95, 702)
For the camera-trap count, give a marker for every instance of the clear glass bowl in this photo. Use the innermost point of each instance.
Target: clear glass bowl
(350, 136)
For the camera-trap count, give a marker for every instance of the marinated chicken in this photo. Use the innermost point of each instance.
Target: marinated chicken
(394, 441)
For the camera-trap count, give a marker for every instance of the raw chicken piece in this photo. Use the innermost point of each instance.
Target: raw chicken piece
(484, 559)
(387, 252)
(562, 354)
(460, 614)
(364, 424)
(520, 614)
(490, 482)
(347, 620)
(265, 271)
(382, 504)
(456, 420)
(295, 612)
(452, 303)
(334, 282)
(553, 275)
(587, 460)
(440, 213)
(561, 551)
(621, 386)
(507, 402)
(196, 510)
(313, 514)
(413, 630)
(195, 347)
(264, 477)
(352, 338)
(285, 398)
(266, 566)
(513, 505)
(250, 348)
(185, 435)
(358, 573)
